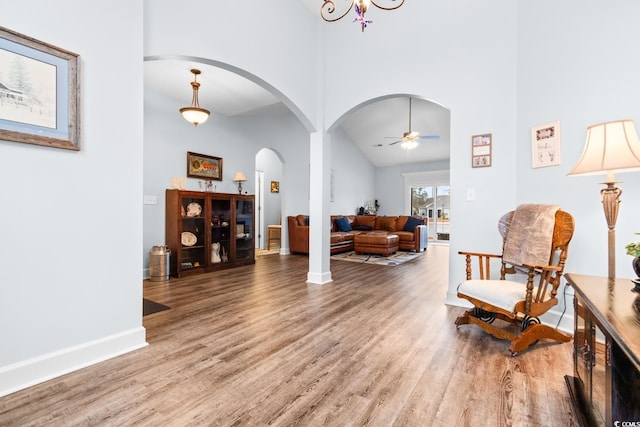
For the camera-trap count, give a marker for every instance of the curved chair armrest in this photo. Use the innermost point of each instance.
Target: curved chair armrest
(479, 254)
(550, 268)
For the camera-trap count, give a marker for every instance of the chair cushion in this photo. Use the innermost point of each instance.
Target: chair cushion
(504, 294)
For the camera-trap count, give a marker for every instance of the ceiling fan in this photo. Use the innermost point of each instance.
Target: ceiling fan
(411, 139)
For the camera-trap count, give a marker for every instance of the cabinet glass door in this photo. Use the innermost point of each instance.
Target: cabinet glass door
(599, 376)
(590, 360)
(244, 229)
(220, 230)
(192, 233)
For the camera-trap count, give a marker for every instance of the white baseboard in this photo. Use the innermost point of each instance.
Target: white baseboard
(319, 278)
(27, 373)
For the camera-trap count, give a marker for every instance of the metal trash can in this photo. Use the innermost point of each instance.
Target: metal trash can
(159, 257)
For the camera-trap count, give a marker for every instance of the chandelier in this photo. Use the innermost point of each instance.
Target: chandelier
(329, 8)
(194, 114)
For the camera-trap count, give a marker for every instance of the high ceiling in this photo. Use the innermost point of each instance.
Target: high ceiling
(372, 126)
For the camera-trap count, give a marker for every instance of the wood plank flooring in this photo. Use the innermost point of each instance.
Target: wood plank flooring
(257, 346)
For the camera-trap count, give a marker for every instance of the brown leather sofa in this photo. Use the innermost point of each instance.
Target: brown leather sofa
(342, 241)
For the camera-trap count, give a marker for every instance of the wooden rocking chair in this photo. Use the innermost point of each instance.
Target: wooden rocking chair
(515, 302)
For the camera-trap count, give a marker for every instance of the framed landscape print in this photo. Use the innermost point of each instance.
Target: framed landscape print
(39, 92)
(481, 150)
(545, 145)
(203, 166)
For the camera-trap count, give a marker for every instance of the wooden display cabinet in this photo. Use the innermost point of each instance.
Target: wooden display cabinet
(605, 387)
(208, 231)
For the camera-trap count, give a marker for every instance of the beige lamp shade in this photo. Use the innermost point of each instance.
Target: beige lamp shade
(610, 148)
(239, 177)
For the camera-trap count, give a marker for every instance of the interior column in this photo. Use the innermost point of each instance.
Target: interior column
(319, 214)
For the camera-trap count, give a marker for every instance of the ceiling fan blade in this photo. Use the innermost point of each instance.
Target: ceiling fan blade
(395, 142)
(431, 137)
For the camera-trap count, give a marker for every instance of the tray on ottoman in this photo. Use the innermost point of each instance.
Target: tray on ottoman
(376, 242)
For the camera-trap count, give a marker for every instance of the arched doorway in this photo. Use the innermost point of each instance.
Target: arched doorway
(269, 178)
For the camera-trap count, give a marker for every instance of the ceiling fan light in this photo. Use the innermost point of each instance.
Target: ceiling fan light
(409, 144)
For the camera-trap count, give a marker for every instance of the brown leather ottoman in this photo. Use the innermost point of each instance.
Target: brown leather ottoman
(376, 242)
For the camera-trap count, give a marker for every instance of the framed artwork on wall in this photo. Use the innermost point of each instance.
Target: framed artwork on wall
(203, 166)
(545, 145)
(481, 150)
(39, 92)
(275, 186)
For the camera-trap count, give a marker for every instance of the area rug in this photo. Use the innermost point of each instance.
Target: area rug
(150, 307)
(391, 260)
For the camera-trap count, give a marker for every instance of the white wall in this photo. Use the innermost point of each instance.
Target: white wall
(575, 65)
(70, 223)
(390, 185)
(462, 55)
(353, 176)
(273, 41)
(237, 141)
(268, 162)
(499, 66)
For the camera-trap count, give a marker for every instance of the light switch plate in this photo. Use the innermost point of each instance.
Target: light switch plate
(471, 194)
(150, 200)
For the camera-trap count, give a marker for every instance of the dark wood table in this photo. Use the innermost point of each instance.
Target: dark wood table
(606, 385)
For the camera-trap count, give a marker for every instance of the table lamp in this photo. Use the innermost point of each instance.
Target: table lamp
(611, 147)
(239, 178)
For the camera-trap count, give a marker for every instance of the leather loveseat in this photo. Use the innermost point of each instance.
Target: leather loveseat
(412, 237)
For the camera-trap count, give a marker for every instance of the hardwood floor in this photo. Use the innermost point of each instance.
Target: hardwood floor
(258, 346)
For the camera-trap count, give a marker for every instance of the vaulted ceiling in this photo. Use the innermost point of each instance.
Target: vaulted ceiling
(372, 126)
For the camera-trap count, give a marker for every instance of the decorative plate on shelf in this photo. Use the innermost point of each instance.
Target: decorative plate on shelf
(194, 209)
(188, 239)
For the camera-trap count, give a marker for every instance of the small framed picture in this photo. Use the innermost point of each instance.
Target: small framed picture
(203, 166)
(545, 145)
(39, 92)
(275, 186)
(481, 150)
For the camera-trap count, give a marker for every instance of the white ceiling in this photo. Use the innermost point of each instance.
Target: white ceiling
(372, 127)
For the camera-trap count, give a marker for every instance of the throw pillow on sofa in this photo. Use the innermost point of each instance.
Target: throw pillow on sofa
(362, 227)
(412, 223)
(343, 224)
(303, 220)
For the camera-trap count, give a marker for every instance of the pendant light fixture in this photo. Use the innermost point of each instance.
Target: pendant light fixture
(194, 114)
(361, 6)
